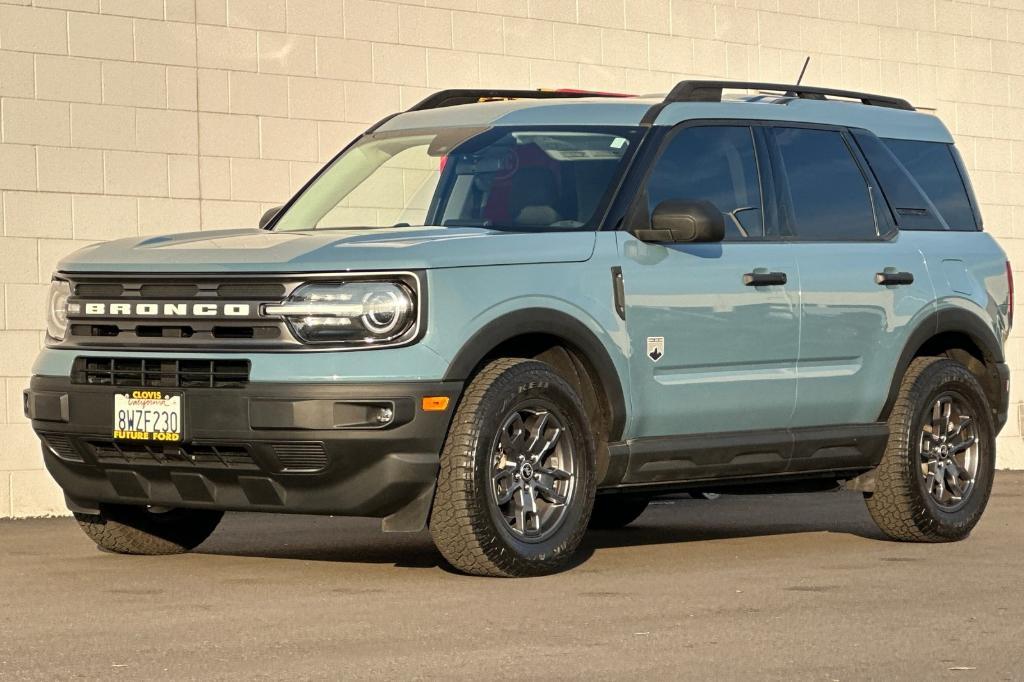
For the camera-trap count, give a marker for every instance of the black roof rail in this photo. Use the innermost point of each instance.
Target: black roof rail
(711, 91)
(451, 98)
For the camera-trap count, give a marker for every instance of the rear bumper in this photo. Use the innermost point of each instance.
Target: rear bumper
(272, 447)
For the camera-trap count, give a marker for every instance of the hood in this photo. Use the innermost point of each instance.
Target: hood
(399, 248)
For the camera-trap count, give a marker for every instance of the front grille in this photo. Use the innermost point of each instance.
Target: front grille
(301, 457)
(166, 313)
(168, 290)
(100, 290)
(165, 326)
(160, 373)
(219, 456)
(171, 333)
(213, 289)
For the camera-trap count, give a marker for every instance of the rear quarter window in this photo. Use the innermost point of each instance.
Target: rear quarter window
(936, 168)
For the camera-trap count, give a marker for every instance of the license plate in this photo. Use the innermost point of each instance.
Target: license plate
(147, 415)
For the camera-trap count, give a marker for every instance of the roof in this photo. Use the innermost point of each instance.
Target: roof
(595, 111)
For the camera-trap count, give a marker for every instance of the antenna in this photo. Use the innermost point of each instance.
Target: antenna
(803, 70)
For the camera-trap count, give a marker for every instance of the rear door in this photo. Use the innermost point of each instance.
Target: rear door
(862, 286)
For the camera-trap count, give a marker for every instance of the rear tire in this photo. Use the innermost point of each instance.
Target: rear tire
(138, 530)
(616, 511)
(935, 477)
(519, 442)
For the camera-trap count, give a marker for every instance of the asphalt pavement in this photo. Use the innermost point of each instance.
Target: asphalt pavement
(794, 586)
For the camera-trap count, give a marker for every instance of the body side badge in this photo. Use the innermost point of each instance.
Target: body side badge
(655, 347)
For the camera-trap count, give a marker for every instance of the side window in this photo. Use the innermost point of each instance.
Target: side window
(716, 164)
(907, 201)
(827, 194)
(934, 167)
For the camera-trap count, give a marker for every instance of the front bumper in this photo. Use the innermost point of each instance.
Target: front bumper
(270, 447)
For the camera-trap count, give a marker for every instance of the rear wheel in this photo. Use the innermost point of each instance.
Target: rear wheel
(517, 477)
(616, 511)
(936, 475)
(148, 530)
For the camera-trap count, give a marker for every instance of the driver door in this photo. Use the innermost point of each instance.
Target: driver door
(714, 350)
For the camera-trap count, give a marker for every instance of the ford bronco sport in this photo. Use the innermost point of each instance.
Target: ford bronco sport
(511, 315)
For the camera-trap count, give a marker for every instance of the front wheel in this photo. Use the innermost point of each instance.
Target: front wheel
(129, 529)
(934, 480)
(517, 477)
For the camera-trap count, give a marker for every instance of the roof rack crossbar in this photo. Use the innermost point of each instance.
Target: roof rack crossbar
(711, 91)
(451, 98)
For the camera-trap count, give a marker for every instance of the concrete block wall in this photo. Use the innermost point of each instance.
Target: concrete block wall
(136, 117)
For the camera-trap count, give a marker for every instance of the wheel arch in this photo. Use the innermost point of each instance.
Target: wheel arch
(959, 335)
(539, 333)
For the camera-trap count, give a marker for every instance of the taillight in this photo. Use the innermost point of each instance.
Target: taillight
(1009, 283)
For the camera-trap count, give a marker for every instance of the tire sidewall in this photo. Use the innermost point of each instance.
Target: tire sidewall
(950, 377)
(535, 384)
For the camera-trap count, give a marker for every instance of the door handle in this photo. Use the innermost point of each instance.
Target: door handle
(891, 278)
(764, 279)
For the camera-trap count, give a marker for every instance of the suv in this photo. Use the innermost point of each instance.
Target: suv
(508, 315)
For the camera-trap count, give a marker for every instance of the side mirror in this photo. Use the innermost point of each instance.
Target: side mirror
(269, 215)
(677, 222)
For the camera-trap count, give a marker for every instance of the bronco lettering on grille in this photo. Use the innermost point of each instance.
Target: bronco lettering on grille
(167, 309)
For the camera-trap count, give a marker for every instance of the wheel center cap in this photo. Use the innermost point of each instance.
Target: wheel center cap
(527, 470)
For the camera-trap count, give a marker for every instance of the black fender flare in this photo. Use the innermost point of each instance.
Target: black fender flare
(553, 323)
(939, 322)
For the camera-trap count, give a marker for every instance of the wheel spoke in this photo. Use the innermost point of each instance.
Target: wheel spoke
(947, 416)
(964, 445)
(953, 481)
(547, 445)
(526, 511)
(963, 474)
(963, 423)
(546, 489)
(513, 436)
(540, 425)
(505, 485)
(940, 484)
(556, 473)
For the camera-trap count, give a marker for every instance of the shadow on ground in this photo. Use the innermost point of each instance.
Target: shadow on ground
(667, 521)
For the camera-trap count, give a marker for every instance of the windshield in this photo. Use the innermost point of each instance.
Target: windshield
(503, 178)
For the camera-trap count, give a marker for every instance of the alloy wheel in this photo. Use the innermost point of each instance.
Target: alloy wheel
(949, 452)
(533, 471)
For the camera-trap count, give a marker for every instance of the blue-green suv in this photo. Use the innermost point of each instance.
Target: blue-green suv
(512, 315)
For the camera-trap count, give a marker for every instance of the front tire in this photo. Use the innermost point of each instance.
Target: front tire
(517, 477)
(935, 477)
(140, 530)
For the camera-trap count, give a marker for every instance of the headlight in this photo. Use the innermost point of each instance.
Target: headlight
(57, 309)
(370, 313)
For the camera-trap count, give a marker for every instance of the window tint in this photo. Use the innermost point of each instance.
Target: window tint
(828, 196)
(907, 202)
(716, 164)
(934, 167)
